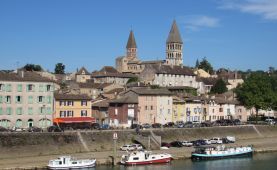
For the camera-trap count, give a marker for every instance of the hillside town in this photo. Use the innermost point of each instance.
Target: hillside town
(133, 92)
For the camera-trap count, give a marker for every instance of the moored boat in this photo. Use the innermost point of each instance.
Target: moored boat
(144, 158)
(67, 162)
(220, 152)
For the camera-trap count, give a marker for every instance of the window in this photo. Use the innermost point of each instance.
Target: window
(19, 88)
(168, 111)
(8, 99)
(115, 111)
(1, 99)
(49, 110)
(18, 99)
(1, 110)
(30, 87)
(83, 103)
(30, 110)
(2, 87)
(145, 107)
(228, 111)
(168, 102)
(8, 88)
(30, 99)
(48, 87)
(62, 113)
(136, 158)
(8, 111)
(84, 113)
(151, 107)
(69, 113)
(61, 103)
(70, 103)
(221, 109)
(213, 110)
(40, 99)
(19, 111)
(195, 110)
(42, 110)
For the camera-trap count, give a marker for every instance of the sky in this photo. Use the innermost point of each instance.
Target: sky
(234, 34)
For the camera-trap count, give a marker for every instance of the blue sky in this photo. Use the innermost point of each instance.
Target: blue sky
(235, 34)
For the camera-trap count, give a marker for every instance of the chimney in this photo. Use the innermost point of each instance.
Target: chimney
(20, 73)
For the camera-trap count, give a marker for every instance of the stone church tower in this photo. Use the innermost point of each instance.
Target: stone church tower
(129, 62)
(131, 47)
(174, 47)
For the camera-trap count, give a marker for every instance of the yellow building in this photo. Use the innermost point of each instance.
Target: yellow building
(179, 110)
(72, 108)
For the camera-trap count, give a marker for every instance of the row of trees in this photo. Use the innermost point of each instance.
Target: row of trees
(59, 68)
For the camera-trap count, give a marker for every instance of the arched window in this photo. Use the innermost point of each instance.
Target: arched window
(5, 123)
(30, 122)
(18, 123)
(44, 122)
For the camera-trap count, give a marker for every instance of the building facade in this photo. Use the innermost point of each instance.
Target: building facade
(26, 100)
(72, 108)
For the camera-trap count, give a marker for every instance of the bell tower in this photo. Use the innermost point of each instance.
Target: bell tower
(131, 47)
(174, 47)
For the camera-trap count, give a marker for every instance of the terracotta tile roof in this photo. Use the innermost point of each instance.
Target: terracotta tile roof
(108, 71)
(83, 69)
(23, 76)
(94, 85)
(126, 99)
(174, 70)
(100, 103)
(116, 90)
(67, 96)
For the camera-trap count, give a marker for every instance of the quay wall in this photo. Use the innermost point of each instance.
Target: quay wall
(15, 145)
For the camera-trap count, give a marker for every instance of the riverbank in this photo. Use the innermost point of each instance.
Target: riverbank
(11, 157)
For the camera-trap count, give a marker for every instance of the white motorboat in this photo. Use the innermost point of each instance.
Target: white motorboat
(67, 162)
(144, 157)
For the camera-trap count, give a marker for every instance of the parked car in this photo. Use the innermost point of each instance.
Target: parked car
(95, 126)
(146, 126)
(237, 122)
(18, 129)
(270, 121)
(105, 127)
(187, 143)
(169, 125)
(164, 144)
(127, 148)
(229, 139)
(34, 129)
(196, 143)
(156, 125)
(216, 140)
(54, 129)
(134, 126)
(180, 124)
(177, 144)
(206, 124)
(188, 125)
(207, 141)
(137, 147)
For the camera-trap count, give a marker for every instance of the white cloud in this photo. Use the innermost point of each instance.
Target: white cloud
(196, 22)
(266, 8)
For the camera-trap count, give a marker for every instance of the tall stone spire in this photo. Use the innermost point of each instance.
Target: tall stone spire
(131, 46)
(174, 34)
(174, 46)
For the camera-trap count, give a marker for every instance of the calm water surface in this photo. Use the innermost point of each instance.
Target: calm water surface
(264, 161)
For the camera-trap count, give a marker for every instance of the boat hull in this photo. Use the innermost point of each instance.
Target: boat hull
(157, 161)
(196, 157)
(72, 167)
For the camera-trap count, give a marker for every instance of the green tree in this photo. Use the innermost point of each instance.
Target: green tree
(258, 91)
(133, 79)
(219, 87)
(59, 68)
(32, 67)
(205, 65)
(197, 64)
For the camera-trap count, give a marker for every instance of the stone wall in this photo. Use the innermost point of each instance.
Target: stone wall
(39, 144)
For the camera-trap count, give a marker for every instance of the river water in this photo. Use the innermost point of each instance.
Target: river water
(265, 161)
